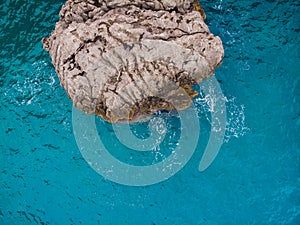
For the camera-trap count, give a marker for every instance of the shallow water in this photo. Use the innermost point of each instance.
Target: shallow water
(254, 179)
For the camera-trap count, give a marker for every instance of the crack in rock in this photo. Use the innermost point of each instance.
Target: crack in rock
(125, 59)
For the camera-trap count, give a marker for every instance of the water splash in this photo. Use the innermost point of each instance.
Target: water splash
(29, 84)
(236, 120)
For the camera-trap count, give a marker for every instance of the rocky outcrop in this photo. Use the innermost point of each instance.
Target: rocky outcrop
(122, 59)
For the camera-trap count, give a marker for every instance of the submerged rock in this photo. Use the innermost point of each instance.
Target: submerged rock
(124, 59)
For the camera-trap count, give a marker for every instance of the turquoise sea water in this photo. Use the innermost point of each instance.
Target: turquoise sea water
(254, 179)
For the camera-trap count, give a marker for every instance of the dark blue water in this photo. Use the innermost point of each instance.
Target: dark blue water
(254, 179)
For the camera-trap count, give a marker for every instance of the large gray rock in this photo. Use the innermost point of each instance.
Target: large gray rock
(122, 59)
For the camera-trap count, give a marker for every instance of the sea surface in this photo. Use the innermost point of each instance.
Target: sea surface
(255, 178)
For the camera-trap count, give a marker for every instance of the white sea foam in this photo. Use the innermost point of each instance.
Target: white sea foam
(236, 119)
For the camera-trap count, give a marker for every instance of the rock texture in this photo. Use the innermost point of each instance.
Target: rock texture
(122, 59)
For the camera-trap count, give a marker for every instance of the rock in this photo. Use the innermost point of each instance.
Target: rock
(123, 59)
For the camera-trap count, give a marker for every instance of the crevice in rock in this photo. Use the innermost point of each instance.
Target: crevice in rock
(104, 55)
